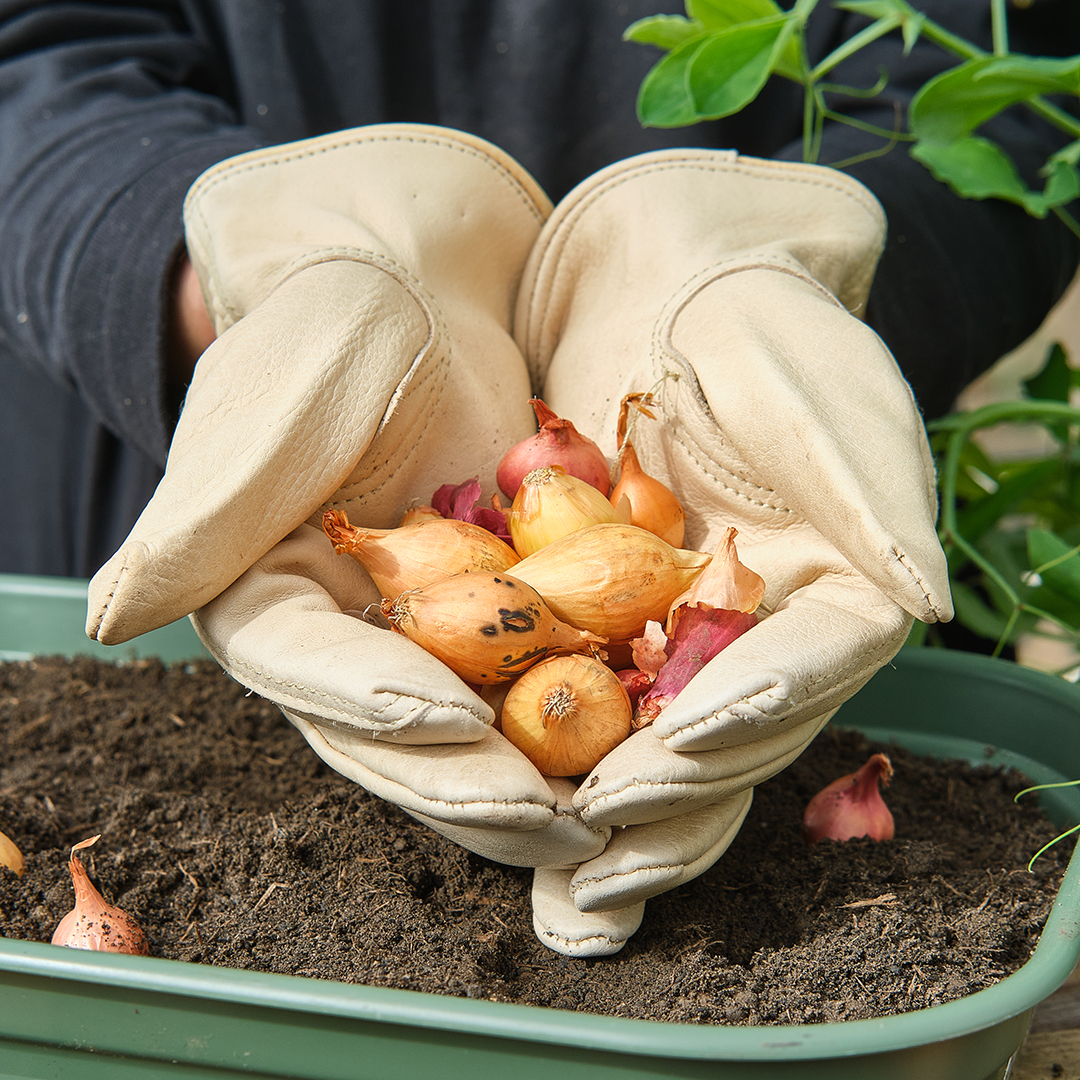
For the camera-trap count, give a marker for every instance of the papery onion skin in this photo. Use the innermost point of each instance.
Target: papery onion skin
(566, 714)
(416, 555)
(852, 807)
(93, 924)
(611, 578)
(557, 442)
(487, 628)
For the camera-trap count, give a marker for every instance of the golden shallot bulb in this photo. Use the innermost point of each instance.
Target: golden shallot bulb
(550, 504)
(487, 628)
(10, 855)
(94, 924)
(566, 713)
(557, 442)
(653, 505)
(415, 555)
(852, 807)
(611, 578)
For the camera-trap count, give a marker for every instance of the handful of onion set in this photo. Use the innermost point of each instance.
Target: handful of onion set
(594, 575)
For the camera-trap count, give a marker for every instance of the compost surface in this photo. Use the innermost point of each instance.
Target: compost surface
(232, 844)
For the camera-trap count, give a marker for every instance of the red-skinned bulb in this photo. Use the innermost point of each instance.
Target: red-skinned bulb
(557, 442)
(852, 807)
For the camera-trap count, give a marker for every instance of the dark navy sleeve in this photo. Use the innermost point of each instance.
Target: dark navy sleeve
(107, 115)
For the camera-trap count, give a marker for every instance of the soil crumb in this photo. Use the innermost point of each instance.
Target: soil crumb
(233, 845)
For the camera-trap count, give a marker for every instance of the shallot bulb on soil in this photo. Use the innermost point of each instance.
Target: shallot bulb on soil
(10, 855)
(557, 442)
(94, 924)
(852, 807)
(566, 713)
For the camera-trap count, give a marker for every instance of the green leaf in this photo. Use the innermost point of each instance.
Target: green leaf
(732, 66)
(1045, 548)
(720, 14)
(666, 31)
(957, 101)
(664, 99)
(974, 167)
(1050, 74)
(1055, 379)
(1062, 182)
(723, 14)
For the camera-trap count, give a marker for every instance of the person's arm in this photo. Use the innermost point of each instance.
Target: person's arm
(107, 115)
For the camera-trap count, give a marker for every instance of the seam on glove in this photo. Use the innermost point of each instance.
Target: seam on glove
(346, 719)
(435, 373)
(263, 159)
(94, 630)
(920, 581)
(544, 933)
(698, 162)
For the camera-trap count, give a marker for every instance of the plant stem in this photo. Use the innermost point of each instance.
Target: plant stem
(960, 427)
(1000, 27)
(852, 45)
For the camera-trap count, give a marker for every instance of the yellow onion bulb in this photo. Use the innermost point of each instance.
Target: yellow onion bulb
(566, 713)
(414, 555)
(10, 855)
(653, 505)
(487, 628)
(551, 504)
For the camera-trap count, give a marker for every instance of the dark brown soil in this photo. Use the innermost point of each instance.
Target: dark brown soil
(233, 845)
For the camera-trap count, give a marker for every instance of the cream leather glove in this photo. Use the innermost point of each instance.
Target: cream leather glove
(363, 286)
(732, 288)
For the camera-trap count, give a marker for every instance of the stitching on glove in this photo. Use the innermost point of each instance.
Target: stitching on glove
(216, 177)
(825, 178)
(436, 373)
(902, 559)
(253, 679)
(604, 938)
(655, 867)
(106, 607)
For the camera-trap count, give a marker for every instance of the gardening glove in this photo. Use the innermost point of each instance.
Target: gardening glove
(362, 286)
(731, 288)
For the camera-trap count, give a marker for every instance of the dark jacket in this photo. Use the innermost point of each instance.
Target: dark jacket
(108, 111)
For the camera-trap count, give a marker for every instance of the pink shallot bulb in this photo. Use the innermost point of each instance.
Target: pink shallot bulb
(852, 807)
(557, 442)
(94, 924)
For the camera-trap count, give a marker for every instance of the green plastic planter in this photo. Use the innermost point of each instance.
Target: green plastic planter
(66, 1015)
